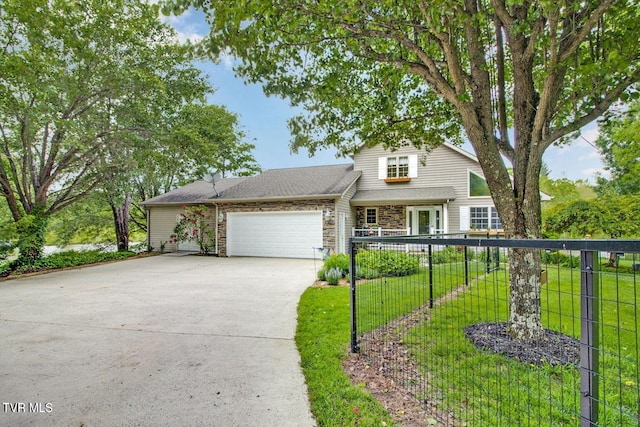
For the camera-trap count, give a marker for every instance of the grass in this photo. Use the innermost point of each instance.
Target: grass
(322, 338)
(482, 388)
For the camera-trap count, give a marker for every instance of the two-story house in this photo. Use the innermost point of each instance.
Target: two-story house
(296, 211)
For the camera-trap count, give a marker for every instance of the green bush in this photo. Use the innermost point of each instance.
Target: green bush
(339, 261)
(333, 276)
(322, 274)
(558, 258)
(387, 263)
(73, 259)
(366, 273)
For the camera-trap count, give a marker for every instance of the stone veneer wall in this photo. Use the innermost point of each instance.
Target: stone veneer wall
(328, 224)
(389, 216)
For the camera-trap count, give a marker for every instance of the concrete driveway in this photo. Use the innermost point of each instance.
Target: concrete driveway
(164, 340)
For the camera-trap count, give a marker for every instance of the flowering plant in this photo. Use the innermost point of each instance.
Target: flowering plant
(195, 224)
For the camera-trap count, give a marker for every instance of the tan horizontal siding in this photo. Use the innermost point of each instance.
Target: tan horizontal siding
(162, 221)
(441, 167)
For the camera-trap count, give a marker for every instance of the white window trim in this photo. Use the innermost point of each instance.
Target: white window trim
(465, 217)
(413, 166)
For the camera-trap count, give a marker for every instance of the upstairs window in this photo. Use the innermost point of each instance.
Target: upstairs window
(392, 167)
(399, 167)
(478, 186)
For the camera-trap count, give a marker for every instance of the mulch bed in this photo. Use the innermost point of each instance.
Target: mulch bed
(553, 347)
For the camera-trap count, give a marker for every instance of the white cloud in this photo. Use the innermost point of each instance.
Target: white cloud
(592, 173)
(226, 59)
(188, 25)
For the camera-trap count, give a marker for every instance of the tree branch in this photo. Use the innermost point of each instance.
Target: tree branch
(597, 111)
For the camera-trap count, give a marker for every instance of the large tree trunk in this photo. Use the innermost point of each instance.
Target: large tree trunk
(518, 204)
(32, 229)
(121, 222)
(524, 270)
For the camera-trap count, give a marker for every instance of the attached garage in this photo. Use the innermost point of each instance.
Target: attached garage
(288, 234)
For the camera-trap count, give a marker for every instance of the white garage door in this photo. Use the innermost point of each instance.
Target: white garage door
(274, 234)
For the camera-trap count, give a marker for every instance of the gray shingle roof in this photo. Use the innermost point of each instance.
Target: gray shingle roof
(293, 183)
(405, 195)
(196, 192)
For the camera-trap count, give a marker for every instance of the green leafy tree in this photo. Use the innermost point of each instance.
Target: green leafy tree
(564, 189)
(386, 72)
(197, 139)
(609, 216)
(76, 78)
(619, 142)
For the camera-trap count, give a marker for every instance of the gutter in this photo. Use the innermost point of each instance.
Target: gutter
(275, 198)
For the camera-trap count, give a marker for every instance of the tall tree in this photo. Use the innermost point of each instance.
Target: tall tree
(424, 71)
(73, 76)
(619, 142)
(194, 140)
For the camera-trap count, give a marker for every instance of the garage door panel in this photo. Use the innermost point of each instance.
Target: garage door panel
(274, 234)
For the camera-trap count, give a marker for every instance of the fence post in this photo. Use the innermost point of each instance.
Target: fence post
(589, 338)
(466, 264)
(352, 282)
(430, 277)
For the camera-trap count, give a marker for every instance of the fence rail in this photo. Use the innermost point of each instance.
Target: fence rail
(437, 320)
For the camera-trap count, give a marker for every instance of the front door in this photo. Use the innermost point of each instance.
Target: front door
(426, 220)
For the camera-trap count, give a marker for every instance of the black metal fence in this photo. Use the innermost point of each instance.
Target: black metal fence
(433, 315)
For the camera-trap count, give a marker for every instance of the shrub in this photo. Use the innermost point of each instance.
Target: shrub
(333, 276)
(339, 261)
(564, 260)
(322, 274)
(387, 263)
(72, 259)
(366, 273)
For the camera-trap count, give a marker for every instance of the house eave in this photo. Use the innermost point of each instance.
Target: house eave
(170, 204)
(276, 198)
(399, 202)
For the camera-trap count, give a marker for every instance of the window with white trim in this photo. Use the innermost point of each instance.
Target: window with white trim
(496, 224)
(371, 216)
(398, 167)
(479, 218)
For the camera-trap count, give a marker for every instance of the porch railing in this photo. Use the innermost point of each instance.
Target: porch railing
(380, 232)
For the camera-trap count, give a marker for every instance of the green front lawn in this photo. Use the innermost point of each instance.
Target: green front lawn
(479, 387)
(322, 338)
(484, 388)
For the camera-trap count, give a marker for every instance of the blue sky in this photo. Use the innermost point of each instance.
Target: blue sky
(264, 119)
